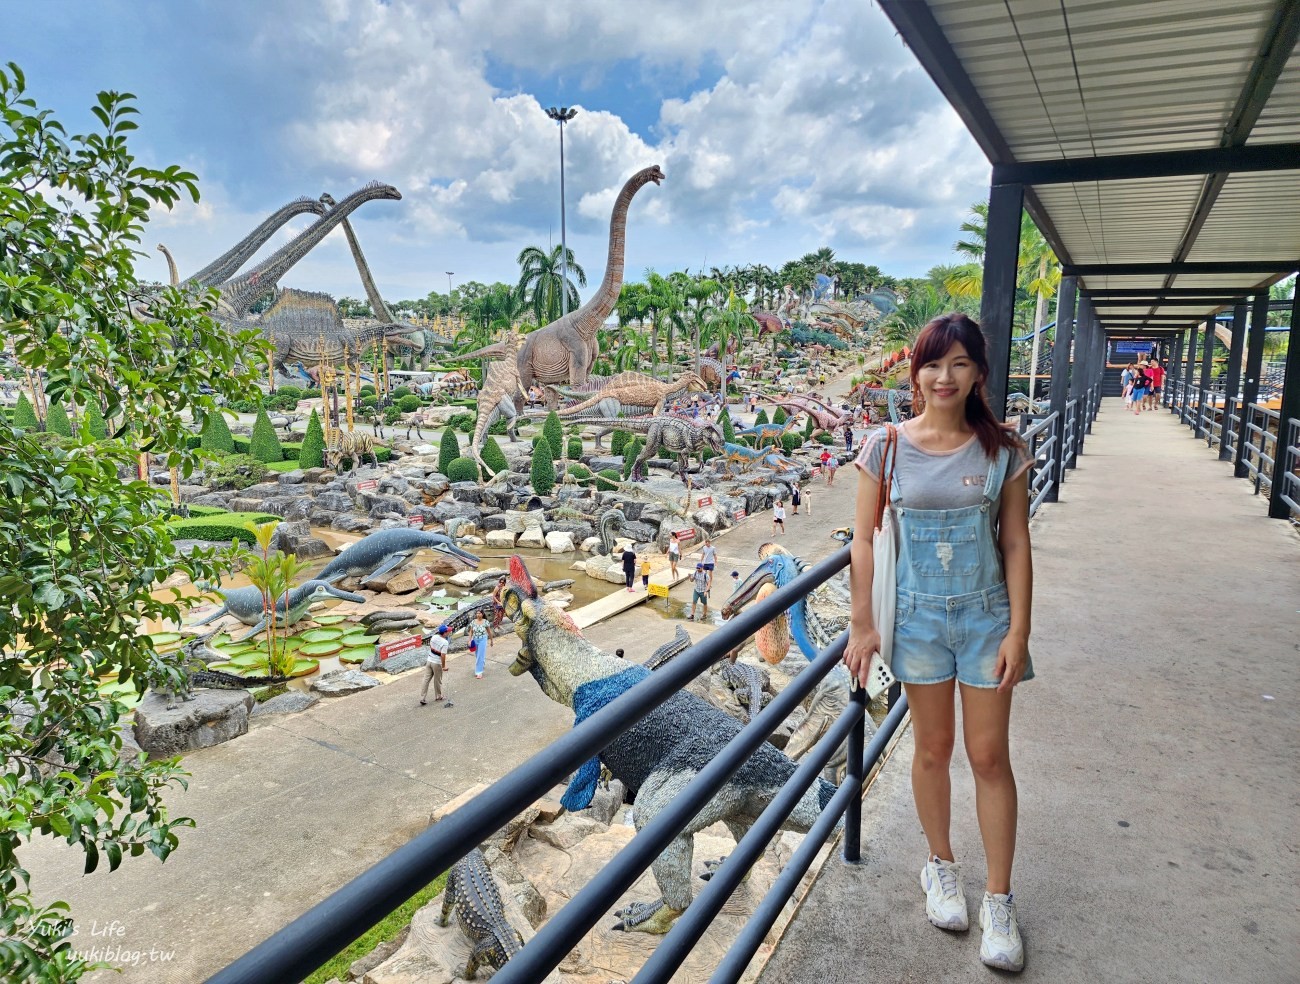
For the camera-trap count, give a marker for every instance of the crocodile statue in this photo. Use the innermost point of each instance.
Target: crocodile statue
(197, 676)
(748, 457)
(632, 393)
(385, 550)
(657, 756)
(463, 618)
(472, 894)
(246, 604)
(565, 350)
(667, 432)
(674, 647)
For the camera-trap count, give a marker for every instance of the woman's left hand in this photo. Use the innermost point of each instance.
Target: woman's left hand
(1013, 660)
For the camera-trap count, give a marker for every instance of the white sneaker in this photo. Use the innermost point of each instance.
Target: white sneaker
(945, 896)
(1002, 946)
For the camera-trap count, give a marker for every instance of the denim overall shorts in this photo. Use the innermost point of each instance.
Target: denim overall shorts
(953, 611)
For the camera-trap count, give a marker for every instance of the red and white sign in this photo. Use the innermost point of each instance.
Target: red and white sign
(369, 485)
(738, 514)
(390, 649)
(415, 520)
(704, 500)
(683, 535)
(425, 580)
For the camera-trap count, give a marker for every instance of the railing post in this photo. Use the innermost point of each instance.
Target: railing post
(1081, 374)
(1207, 363)
(1175, 374)
(1232, 384)
(1189, 374)
(1250, 388)
(1277, 507)
(998, 298)
(1060, 385)
(855, 777)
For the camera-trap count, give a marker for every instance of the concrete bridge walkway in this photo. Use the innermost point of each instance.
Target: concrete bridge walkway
(1156, 753)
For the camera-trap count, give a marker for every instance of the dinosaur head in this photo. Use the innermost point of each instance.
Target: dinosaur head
(318, 589)
(714, 438)
(522, 603)
(842, 535)
(777, 567)
(694, 382)
(646, 175)
(444, 545)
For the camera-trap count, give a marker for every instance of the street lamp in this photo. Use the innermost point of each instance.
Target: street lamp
(449, 276)
(562, 116)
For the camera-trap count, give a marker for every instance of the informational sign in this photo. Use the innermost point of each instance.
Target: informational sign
(369, 485)
(681, 536)
(738, 515)
(658, 590)
(425, 580)
(704, 500)
(389, 649)
(1133, 348)
(415, 520)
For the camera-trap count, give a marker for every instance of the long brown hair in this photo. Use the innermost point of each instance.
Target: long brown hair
(932, 344)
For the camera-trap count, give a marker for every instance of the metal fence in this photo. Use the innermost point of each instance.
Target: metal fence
(1042, 440)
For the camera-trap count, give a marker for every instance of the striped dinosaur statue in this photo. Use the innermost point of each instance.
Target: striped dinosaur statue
(632, 394)
(496, 400)
(676, 435)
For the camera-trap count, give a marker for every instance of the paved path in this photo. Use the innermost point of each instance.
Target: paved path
(1156, 752)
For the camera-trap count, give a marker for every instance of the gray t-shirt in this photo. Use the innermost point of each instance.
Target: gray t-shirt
(937, 479)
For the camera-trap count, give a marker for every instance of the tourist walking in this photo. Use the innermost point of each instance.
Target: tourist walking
(674, 555)
(480, 638)
(629, 566)
(1126, 378)
(848, 436)
(700, 586)
(831, 466)
(796, 497)
(778, 517)
(1155, 383)
(709, 557)
(964, 590)
(825, 459)
(1139, 390)
(645, 572)
(436, 665)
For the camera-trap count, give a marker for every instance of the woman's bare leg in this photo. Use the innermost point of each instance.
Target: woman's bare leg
(934, 729)
(986, 718)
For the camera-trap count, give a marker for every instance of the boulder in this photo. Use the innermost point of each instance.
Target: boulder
(710, 519)
(408, 659)
(291, 477)
(209, 718)
(401, 581)
(640, 532)
(607, 804)
(614, 573)
(286, 703)
(309, 547)
(334, 501)
(448, 509)
(590, 544)
(315, 476)
(525, 892)
(577, 528)
(560, 542)
(578, 565)
(219, 499)
(467, 492)
(340, 683)
(378, 505)
(492, 520)
(396, 484)
(351, 524)
(568, 830)
(517, 522)
(464, 579)
(532, 536)
(501, 538)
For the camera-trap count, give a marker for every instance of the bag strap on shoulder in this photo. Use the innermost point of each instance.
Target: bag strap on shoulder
(887, 457)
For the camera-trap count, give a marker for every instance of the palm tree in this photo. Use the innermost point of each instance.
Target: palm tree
(923, 305)
(541, 282)
(723, 324)
(663, 304)
(699, 293)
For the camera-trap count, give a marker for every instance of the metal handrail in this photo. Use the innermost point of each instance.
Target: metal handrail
(1291, 462)
(1040, 441)
(1259, 463)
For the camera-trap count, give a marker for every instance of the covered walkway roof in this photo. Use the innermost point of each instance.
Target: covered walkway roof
(1158, 143)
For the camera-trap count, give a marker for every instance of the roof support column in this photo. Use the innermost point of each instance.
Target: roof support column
(1189, 375)
(1065, 301)
(1277, 506)
(997, 304)
(1207, 361)
(1079, 375)
(1232, 386)
(1175, 374)
(1096, 369)
(1254, 366)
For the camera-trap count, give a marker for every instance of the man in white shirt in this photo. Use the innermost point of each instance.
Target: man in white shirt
(436, 665)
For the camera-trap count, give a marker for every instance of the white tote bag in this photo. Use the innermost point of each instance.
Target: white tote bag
(884, 583)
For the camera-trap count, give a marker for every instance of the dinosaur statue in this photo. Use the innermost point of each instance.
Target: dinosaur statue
(496, 400)
(897, 401)
(749, 457)
(768, 323)
(713, 373)
(306, 327)
(676, 435)
(472, 894)
(225, 266)
(611, 519)
(197, 675)
(657, 756)
(385, 550)
(633, 393)
(246, 604)
(565, 350)
(175, 277)
(767, 434)
(352, 445)
(826, 420)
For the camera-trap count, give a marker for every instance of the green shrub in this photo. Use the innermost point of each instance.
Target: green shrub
(94, 423)
(220, 528)
(383, 453)
(462, 470)
(197, 511)
(617, 441)
(216, 435)
(825, 438)
(279, 401)
(264, 445)
(630, 451)
(56, 421)
(463, 422)
(579, 471)
(493, 457)
(790, 442)
(408, 403)
(24, 415)
(761, 417)
(245, 406)
(498, 426)
(234, 471)
(543, 470)
(575, 448)
(809, 426)
(367, 390)
(779, 417)
(448, 450)
(554, 434)
(728, 428)
(289, 392)
(370, 402)
(392, 414)
(292, 450)
(312, 453)
(401, 391)
(607, 480)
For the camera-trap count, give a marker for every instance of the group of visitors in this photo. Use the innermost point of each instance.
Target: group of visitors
(1142, 382)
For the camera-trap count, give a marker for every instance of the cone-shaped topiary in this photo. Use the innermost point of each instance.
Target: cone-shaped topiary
(809, 427)
(24, 415)
(761, 418)
(554, 434)
(94, 422)
(630, 451)
(543, 471)
(575, 448)
(448, 450)
(216, 434)
(790, 442)
(493, 457)
(463, 470)
(312, 454)
(728, 428)
(264, 445)
(779, 416)
(56, 421)
(617, 441)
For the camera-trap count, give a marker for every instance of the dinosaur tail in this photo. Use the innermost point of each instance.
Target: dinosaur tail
(578, 408)
(813, 802)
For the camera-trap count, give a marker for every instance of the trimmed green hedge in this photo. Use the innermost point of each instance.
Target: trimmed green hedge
(728, 428)
(216, 435)
(554, 434)
(790, 442)
(761, 417)
(264, 445)
(219, 529)
(543, 469)
(25, 414)
(825, 438)
(494, 457)
(56, 421)
(462, 470)
(408, 403)
(311, 453)
(630, 451)
(575, 448)
(617, 441)
(779, 417)
(607, 480)
(448, 450)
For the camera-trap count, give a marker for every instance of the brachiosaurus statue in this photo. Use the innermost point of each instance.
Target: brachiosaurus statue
(228, 263)
(565, 350)
(171, 264)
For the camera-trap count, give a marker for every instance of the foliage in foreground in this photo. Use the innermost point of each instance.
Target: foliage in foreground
(81, 549)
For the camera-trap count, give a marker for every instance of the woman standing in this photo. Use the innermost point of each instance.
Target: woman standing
(1126, 384)
(1139, 390)
(629, 566)
(965, 585)
(480, 638)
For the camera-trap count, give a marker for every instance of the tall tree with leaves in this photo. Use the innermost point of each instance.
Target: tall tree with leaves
(541, 282)
(81, 551)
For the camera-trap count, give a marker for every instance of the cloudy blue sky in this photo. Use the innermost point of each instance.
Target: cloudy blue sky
(782, 125)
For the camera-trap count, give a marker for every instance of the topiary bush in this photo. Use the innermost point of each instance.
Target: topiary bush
(761, 417)
(312, 454)
(809, 426)
(493, 457)
(220, 528)
(543, 469)
(579, 471)
(448, 450)
(825, 438)
(25, 415)
(617, 441)
(408, 403)
(607, 480)
(244, 406)
(392, 414)
(289, 393)
(94, 422)
(264, 445)
(369, 402)
(56, 421)
(575, 448)
(233, 471)
(554, 434)
(779, 417)
(463, 422)
(630, 451)
(401, 391)
(216, 435)
(367, 390)
(790, 442)
(728, 428)
(498, 426)
(462, 470)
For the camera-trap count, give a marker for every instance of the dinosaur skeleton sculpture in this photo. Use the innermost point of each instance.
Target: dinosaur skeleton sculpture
(676, 435)
(632, 393)
(657, 756)
(565, 350)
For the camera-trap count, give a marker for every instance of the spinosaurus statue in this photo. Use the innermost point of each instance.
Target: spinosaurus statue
(632, 393)
(246, 604)
(565, 350)
(657, 756)
(385, 550)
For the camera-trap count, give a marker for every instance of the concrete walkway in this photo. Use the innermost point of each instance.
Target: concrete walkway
(1157, 752)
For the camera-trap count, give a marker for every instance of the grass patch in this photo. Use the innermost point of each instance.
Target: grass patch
(282, 466)
(386, 929)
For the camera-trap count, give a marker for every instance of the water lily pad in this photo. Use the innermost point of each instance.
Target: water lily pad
(326, 648)
(329, 619)
(165, 640)
(441, 601)
(225, 668)
(357, 655)
(248, 659)
(322, 635)
(121, 693)
(305, 667)
(355, 639)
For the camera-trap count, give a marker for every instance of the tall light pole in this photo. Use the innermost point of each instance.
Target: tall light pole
(449, 276)
(562, 116)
